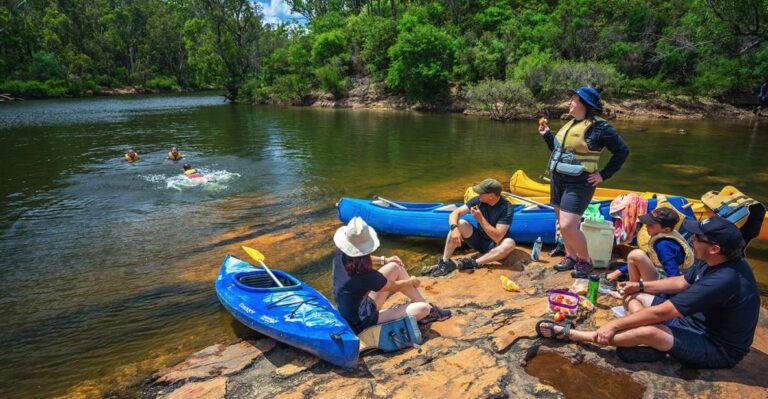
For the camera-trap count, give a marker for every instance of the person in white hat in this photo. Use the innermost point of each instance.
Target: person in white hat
(360, 291)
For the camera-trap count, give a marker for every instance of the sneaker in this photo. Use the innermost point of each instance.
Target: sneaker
(436, 314)
(559, 250)
(582, 269)
(467, 264)
(565, 264)
(443, 268)
(640, 354)
(608, 284)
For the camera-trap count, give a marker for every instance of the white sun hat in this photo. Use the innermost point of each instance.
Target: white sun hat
(356, 238)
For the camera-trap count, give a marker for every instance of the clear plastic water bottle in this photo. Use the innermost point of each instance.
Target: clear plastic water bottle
(536, 251)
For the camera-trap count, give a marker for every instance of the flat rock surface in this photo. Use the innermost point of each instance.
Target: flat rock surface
(480, 352)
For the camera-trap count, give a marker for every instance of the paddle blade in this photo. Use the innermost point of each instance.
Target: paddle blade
(253, 253)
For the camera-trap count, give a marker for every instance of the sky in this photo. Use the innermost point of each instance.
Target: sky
(278, 10)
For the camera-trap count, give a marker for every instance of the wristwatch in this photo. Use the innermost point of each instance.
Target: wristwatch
(453, 226)
(640, 283)
(382, 259)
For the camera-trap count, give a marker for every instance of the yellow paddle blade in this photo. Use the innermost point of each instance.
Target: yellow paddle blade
(256, 255)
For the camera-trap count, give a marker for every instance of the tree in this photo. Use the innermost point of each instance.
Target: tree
(422, 62)
(236, 27)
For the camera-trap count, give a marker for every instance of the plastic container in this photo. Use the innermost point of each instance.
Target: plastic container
(599, 242)
(563, 301)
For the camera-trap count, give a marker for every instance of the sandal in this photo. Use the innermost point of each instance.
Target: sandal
(561, 336)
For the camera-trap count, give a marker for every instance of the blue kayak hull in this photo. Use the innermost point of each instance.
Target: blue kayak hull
(296, 314)
(430, 219)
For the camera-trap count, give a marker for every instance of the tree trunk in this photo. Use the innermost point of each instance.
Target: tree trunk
(393, 9)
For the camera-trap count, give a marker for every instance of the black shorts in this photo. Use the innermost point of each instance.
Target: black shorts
(571, 193)
(368, 313)
(478, 242)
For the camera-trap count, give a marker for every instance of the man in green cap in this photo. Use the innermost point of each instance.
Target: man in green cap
(493, 216)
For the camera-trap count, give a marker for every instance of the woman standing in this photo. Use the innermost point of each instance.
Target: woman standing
(576, 150)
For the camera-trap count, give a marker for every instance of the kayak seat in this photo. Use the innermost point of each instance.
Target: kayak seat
(262, 280)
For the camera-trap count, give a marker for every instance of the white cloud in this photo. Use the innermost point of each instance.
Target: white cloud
(276, 11)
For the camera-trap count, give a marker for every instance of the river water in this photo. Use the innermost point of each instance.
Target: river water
(107, 268)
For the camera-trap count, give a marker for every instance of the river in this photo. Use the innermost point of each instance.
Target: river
(107, 268)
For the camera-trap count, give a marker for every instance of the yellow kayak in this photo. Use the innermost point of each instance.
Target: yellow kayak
(522, 185)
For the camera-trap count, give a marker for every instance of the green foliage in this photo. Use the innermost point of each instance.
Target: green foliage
(372, 36)
(164, 83)
(639, 46)
(35, 88)
(45, 66)
(330, 46)
(503, 99)
(327, 23)
(548, 79)
(422, 62)
(331, 79)
(482, 60)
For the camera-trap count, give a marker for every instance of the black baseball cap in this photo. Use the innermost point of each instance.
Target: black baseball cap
(718, 230)
(666, 217)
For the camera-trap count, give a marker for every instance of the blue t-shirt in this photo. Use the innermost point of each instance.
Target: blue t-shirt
(671, 255)
(724, 302)
(350, 292)
(501, 213)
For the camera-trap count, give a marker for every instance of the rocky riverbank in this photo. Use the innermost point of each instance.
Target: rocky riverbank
(483, 351)
(368, 94)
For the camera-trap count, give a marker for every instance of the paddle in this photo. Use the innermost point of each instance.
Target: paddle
(396, 205)
(258, 257)
(545, 206)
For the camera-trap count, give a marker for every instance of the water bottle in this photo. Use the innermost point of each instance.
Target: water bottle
(536, 249)
(592, 287)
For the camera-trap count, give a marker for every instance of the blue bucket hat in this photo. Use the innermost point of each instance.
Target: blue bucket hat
(588, 95)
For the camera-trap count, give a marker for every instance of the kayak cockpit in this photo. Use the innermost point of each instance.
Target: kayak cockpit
(259, 280)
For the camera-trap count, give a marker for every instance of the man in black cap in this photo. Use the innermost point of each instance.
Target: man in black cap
(493, 215)
(709, 322)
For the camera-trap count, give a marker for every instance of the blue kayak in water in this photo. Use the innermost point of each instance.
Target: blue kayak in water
(430, 219)
(295, 314)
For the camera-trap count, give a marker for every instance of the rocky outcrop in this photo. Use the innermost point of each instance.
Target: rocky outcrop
(482, 351)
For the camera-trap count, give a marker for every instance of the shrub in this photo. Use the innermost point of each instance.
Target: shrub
(288, 90)
(549, 80)
(329, 46)
(165, 83)
(45, 66)
(331, 80)
(503, 99)
(422, 61)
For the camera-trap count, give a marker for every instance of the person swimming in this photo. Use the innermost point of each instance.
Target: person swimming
(131, 156)
(189, 170)
(174, 154)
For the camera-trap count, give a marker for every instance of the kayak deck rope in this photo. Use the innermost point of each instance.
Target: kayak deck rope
(300, 301)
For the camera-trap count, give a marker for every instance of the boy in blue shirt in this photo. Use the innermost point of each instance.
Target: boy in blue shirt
(668, 251)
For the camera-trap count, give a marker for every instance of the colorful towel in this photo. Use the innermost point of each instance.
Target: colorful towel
(625, 209)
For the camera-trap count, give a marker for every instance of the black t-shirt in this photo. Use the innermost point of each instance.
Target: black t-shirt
(350, 291)
(501, 213)
(724, 302)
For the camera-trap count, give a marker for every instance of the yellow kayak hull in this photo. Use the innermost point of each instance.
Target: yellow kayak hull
(522, 185)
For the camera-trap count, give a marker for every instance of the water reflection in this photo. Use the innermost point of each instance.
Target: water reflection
(113, 272)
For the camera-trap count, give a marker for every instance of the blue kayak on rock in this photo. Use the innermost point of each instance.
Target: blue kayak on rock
(430, 219)
(295, 314)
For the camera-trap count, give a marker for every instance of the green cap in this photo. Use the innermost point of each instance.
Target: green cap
(488, 186)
